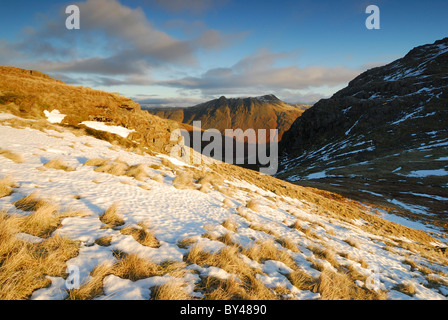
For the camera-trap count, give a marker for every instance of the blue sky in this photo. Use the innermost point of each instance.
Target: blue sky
(182, 52)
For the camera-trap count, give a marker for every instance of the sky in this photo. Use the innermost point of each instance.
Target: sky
(184, 52)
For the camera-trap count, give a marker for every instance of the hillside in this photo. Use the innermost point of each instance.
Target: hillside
(381, 139)
(266, 112)
(84, 219)
(30, 94)
(87, 213)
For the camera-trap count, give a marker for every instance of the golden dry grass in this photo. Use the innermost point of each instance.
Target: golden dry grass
(58, 164)
(7, 185)
(135, 268)
(96, 162)
(172, 290)
(158, 178)
(340, 286)
(17, 158)
(183, 180)
(111, 217)
(230, 225)
(142, 235)
(24, 265)
(254, 205)
(30, 202)
(138, 172)
(267, 250)
(94, 287)
(115, 167)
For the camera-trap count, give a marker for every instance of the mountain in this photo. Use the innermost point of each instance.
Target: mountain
(265, 112)
(383, 138)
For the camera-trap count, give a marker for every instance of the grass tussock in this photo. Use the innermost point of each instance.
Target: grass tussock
(267, 250)
(17, 158)
(94, 287)
(302, 280)
(115, 167)
(158, 178)
(111, 217)
(340, 286)
(254, 205)
(96, 162)
(31, 202)
(142, 235)
(134, 268)
(172, 290)
(58, 164)
(7, 186)
(24, 265)
(138, 172)
(230, 225)
(104, 241)
(167, 163)
(183, 180)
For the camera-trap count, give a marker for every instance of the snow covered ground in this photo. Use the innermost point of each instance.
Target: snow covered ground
(176, 214)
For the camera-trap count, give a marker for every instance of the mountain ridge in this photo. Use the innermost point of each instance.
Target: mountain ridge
(378, 134)
(263, 112)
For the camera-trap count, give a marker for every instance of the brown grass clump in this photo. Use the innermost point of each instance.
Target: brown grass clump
(30, 203)
(262, 228)
(325, 254)
(253, 205)
(185, 243)
(6, 186)
(138, 172)
(228, 203)
(104, 241)
(96, 162)
(24, 265)
(287, 243)
(405, 288)
(58, 164)
(167, 163)
(172, 290)
(94, 287)
(211, 178)
(111, 217)
(230, 225)
(135, 268)
(339, 286)
(183, 180)
(158, 178)
(115, 167)
(17, 158)
(142, 235)
(220, 289)
(267, 250)
(303, 281)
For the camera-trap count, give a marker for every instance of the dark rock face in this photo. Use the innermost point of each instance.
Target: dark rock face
(388, 118)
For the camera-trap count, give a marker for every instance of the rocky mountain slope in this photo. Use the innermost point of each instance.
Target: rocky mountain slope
(382, 139)
(266, 112)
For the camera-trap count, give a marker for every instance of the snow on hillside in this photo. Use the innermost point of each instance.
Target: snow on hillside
(175, 215)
